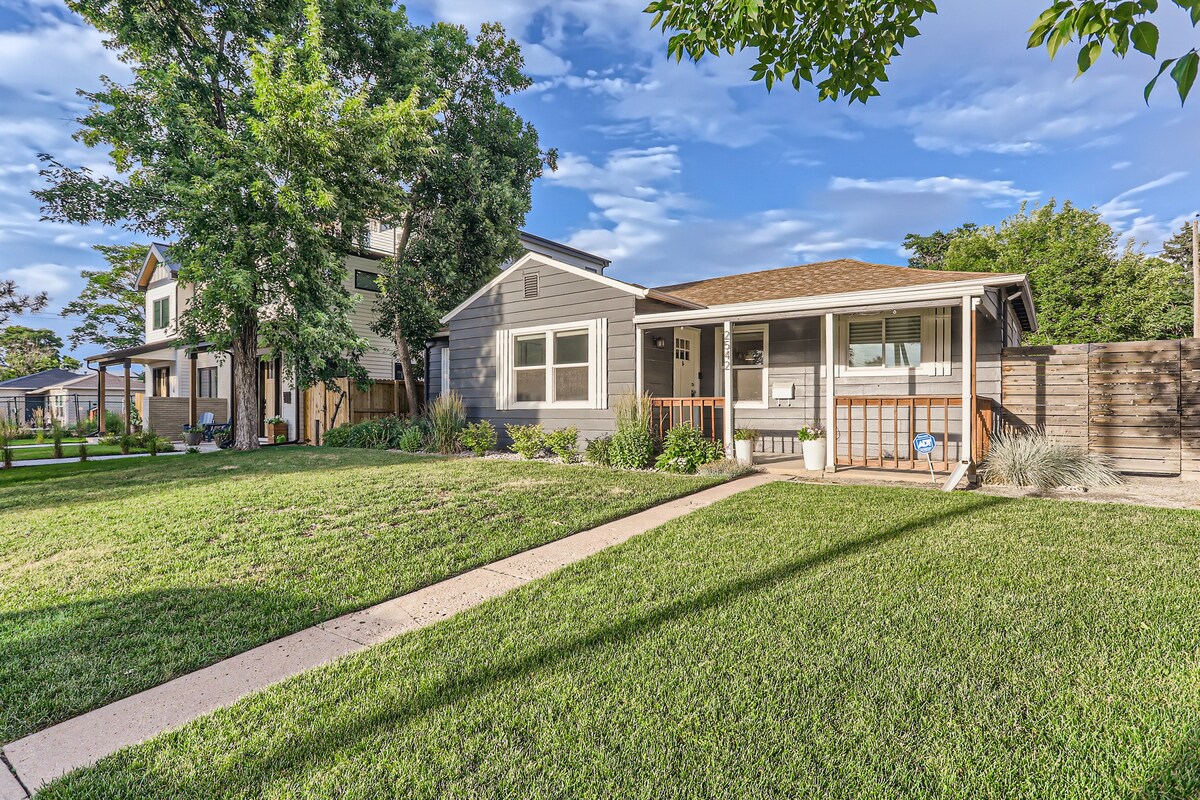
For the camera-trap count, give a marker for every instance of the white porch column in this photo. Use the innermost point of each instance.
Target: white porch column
(830, 411)
(727, 377)
(639, 380)
(968, 373)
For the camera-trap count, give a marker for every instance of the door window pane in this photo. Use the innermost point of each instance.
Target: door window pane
(531, 351)
(571, 383)
(531, 385)
(571, 347)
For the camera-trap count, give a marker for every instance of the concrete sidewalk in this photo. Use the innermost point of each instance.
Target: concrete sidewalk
(82, 741)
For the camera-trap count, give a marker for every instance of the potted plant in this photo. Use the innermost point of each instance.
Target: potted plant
(743, 445)
(276, 427)
(192, 435)
(223, 438)
(812, 442)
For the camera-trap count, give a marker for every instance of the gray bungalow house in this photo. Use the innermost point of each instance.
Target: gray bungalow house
(872, 352)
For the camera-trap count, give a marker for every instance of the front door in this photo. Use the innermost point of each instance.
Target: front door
(687, 362)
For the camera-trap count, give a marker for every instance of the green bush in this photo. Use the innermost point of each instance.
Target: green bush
(412, 440)
(632, 448)
(127, 443)
(446, 416)
(339, 436)
(83, 452)
(686, 448)
(598, 451)
(725, 468)
(564, 443)
(374, 434)
(56, 436)
(478, 437)
(113, 422)
(527, 440)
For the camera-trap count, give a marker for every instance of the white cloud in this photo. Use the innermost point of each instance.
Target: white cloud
(54, 60)
(963, 187)
(1125, 212)
(55, 279)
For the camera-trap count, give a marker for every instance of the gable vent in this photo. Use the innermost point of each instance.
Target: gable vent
(531, 284)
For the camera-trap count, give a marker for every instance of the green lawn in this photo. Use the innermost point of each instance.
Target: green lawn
(795, 641)
(72, 439)
(116, 576)
(69, 451)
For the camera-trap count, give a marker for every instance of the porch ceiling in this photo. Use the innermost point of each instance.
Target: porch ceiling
(716, 317)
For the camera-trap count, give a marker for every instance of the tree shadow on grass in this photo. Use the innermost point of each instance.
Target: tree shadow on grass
(344, 725)
(60, 661)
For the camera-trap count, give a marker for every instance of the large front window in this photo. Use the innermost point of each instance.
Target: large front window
(552, 367)
(749, 364)
(891, 342)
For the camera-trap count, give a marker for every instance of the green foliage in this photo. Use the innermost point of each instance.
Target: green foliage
(111, 307)
(446, 416)
(339, 436)
(56, 437)
(113, 422)
(810, 433)
(564, 443)
(83, 452)
(599, 451)
(725, 468)
(745, 435)
(412, 440)
(7, 434)
(1034, 459)
(127, 442)
(280, 438)
(685, 448)
(527, 440)
(24, 351)
(1085, 288)
(632, 448)
(478, 437)
(845, 49)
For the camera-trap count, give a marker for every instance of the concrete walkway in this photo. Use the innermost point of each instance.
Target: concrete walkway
(84, 740)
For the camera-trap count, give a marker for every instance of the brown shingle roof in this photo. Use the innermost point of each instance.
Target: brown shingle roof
(810, 280)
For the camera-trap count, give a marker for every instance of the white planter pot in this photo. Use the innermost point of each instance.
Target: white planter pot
(814, 455)
(744, 450)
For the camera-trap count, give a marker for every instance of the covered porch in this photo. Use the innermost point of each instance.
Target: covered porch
(872, 374)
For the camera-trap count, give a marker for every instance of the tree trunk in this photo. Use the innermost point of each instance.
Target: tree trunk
(245, 378)
(410, 385)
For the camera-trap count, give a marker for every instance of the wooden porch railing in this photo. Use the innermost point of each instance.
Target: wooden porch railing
(878, 431)
(706, 413)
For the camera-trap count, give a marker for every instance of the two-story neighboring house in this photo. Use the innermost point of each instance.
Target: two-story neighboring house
(184, 383)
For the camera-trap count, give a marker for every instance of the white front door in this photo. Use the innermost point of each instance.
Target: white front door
(686, 345)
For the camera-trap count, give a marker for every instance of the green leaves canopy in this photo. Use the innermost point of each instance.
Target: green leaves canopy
(845, 48)
(24, 351)
(111, 308)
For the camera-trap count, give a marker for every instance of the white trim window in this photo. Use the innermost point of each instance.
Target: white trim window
(554, 366)
(751, 364)
(898, 343)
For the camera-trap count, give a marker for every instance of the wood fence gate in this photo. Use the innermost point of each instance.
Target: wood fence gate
(1136, 402)
(337, 402)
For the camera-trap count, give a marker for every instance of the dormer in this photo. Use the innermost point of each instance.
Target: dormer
(159, 281)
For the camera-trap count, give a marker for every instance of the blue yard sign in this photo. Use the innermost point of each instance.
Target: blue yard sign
(924, 443)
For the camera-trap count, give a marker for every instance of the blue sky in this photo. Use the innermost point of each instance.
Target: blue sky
(678, 171)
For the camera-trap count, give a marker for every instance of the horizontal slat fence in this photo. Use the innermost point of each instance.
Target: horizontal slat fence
(1136, 402)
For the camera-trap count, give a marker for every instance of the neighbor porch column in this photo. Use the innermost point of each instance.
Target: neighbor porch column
(128, 398)
(968, 376)
(192, 418)
(727, 369)
(102, 396)
(639, 378)
(830, 411)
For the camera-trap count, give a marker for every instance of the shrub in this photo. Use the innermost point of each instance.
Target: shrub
(412, 440)
(632, 410)
(446, 416)
(725, 468)
(745, 435)
(478, 437)
(193, 450)
(111, 438)
(151, 442)
(564, 443)
(370, 434)
(686, 448)
(83, 452)
(126, 442)
(339, 436)
(113, 422)
(598, 451)
(527, 440)
(280, 439)
(1035, 459)
(56, 436)
(632, 446)
(6, 453)
(82, 427)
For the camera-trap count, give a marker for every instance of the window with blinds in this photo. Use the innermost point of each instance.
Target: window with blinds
(888, 342)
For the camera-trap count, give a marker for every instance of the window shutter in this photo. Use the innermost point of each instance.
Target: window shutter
(503, 372)
(531, 284)
(599, 334)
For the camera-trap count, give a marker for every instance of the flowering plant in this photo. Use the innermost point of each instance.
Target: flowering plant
(809, 433)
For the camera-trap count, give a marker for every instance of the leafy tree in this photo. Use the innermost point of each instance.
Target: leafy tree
(112, 309)
(13, 303)
(469, 194)
(1086, 287)
(846, 48)
(24, 351)
(260, 153)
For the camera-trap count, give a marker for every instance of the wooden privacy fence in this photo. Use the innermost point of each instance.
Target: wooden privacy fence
(1136, 402)
(337, 402)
